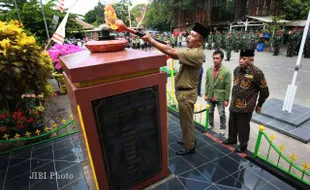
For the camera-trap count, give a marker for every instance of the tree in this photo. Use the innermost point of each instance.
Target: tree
(32, 18)
(296, 9)
(121, 9)
(96, 15)
(159, 16)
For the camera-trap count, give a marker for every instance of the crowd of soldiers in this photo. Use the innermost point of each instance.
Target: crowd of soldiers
(294, 41)
(233, 41)
(135, 42)
(249, 40)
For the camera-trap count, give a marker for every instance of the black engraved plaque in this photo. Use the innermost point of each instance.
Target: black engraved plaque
(129, 132)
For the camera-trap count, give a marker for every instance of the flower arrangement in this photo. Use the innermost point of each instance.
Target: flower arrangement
(26, 116)
(25, 71)
(59, 50)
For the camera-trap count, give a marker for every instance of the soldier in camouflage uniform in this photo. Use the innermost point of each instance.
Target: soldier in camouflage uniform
(249, 40)
(299, 37)
(223, 38)
(292, 43)
(277, 41)
(210, 40)
(307, 46)
(217, 40)
(237, 42)
(229, 46)
(243, 40)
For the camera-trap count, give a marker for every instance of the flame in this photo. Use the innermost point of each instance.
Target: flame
(110, 16)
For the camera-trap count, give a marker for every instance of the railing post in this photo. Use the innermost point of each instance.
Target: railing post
(207, 117)
(259, 138)
(172, 78)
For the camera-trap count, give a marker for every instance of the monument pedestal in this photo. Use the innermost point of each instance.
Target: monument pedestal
(119, 101)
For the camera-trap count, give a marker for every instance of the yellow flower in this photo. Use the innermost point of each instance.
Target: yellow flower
(40, 108)
(5, 43)
(31, 40)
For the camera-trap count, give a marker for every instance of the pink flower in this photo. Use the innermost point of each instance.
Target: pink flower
(33, 95)
(59, 50)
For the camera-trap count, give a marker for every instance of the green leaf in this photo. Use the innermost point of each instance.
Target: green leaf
(18, 63)
(2, 67)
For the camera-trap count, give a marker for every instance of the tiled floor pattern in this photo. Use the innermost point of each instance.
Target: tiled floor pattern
(212, 167)
(63, 156)
(295, 124)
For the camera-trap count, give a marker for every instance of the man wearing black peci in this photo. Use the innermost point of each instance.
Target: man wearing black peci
(249, 83)
(186, 81)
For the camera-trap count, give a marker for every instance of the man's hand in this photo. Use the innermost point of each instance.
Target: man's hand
(226, 103)
(206, 98)
(147, 37)
(258, 109)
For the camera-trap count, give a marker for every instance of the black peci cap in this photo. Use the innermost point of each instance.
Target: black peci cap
(247, 53)
(200, 29)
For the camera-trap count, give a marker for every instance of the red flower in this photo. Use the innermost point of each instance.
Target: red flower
(36, 113)
(29, 120)
(2, 116)
(21, 126)
(3, 129)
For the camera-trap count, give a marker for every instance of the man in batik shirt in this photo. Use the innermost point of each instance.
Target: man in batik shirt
(249, 83)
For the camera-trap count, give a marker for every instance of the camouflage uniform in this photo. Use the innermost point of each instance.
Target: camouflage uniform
(229, 46)
(223, 37)
(292, 43)
(277, 41)
(210, 40)
(237, 42)
(217, 40)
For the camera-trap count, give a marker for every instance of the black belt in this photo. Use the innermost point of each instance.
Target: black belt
(184, 89)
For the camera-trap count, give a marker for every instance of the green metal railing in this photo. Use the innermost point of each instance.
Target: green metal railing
(303, 169)
(18, 143)
(172, 104)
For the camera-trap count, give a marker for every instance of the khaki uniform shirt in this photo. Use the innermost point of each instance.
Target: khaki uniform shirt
(190, 63)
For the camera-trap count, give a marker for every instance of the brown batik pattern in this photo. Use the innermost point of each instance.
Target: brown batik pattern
(247, 85)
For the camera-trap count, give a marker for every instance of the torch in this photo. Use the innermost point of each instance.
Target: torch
(121, 27)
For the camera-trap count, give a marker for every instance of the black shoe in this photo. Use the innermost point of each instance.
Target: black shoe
(228, 142)
(180, 142)
(184, 151)
(240, 150)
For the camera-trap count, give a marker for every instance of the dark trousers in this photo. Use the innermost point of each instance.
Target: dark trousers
(239, 125)
(199, 85)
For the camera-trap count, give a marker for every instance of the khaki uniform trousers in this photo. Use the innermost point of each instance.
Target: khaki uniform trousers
(186, 101)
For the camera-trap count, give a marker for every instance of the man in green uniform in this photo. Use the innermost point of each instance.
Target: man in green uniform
(186, 81)
(210, 40)
(292, 43)
(217, 40)
(229, 46)
(249, 82)
(218, 87)
(237, 42)
(277, 41)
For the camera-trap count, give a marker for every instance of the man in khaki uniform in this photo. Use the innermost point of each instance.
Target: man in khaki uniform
(186, 81)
